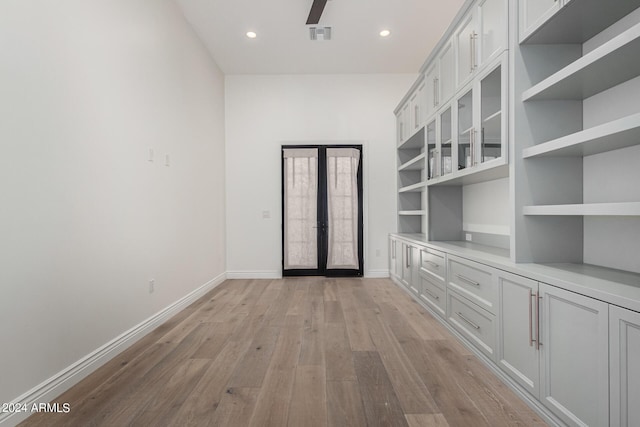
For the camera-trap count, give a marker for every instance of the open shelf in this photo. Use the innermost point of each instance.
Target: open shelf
(492, 117)
(417, 163)
(580, 20)
(412, 213)
(615, 62)
(610, 136)
(415, 141)
(491, 127)
(488, 171)
(415, 188)
(588, 209)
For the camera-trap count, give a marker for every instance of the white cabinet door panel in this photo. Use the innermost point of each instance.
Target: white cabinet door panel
(517, 330)
(574, 356)
(625, 367)
(493, 28)
(534, 13)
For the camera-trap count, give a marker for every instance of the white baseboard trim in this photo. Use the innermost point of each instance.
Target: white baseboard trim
(256, 274)
(376, 274)
(70, 376)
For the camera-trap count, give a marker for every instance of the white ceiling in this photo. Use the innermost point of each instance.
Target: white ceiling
(283, 45)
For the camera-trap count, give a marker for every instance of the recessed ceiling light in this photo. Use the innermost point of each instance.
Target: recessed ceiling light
(385, 33)
(251, 34)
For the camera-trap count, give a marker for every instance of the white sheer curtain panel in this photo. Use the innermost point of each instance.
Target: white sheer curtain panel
(301, 208)
(342, 198)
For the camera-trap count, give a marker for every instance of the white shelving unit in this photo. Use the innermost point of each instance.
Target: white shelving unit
(579, 126)
(588, 209)
(579, 20)
(609, 65)
(414, 164)
(610, 136)
(415, 188)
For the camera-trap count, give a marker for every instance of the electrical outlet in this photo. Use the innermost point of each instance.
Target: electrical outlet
(152, 286)
(468, 237)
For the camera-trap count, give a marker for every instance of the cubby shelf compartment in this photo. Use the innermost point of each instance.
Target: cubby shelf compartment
(416, 140)
(415, 188)
(417, 163)
(580, 20)
(615, 62)
(587, 209)
(489, 171)
(610, 136)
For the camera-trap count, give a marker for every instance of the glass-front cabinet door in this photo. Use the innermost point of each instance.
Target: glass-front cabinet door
(446, 146)
(491, 116)
(466, 130)
(432, 151)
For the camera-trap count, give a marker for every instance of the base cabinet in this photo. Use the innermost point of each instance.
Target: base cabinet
(624, 359)
(554, 343)
(394, 261)
(574, 356)
(518, 352)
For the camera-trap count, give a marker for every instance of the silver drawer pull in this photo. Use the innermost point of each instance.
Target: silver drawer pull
(473, 325)
(433, 264)
(466, 279)
(431, 294)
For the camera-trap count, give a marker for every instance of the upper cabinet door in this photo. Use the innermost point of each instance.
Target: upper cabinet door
(466, 41)
(431, 81)
(534, 13)
(492, 29)
(493, 123)
(447, 74)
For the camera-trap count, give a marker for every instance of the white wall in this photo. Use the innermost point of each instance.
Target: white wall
(86, 88)
(263, 112)
(485, 207)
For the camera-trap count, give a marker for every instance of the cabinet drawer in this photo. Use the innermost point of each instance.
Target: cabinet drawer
(474, 281)
(476, 324)
(434, 262)
(433, 294)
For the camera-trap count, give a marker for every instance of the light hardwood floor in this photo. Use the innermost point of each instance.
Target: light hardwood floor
(295, 352)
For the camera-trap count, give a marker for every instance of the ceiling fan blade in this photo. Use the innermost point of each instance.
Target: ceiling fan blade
(316, 11)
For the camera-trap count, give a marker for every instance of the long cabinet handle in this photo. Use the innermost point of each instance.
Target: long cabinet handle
(432, 264)
(531, 340)
(408, 253)
(538, 298)
(471, 52)
(431, 294)
(435, 99)
(473, 325)
(474, 59)
(466, 279)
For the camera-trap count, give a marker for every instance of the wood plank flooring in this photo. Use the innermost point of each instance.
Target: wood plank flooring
(295, 352)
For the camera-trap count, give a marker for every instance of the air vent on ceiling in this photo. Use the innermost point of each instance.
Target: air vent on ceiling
(320, 33)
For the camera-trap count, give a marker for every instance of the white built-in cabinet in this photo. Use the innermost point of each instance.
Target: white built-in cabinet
(624, 359)
(574, 356)
(554, 344)
(410, 266)
(578, 357)
(480, 37)
(395, 269)
(550, 87)
(534, 13)
(518, 330)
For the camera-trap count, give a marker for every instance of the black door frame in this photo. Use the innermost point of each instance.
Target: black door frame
(323, 213)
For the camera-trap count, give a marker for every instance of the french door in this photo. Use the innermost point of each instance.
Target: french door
(322, 232)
